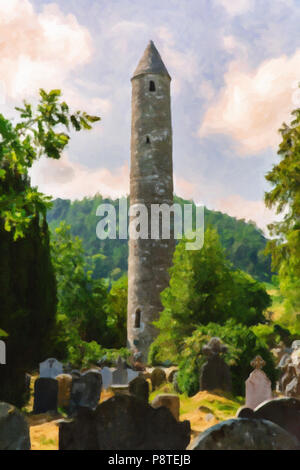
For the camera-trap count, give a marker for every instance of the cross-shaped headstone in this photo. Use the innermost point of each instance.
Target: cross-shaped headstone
(258, 363)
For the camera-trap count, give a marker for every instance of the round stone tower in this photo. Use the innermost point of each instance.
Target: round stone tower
(151, 182)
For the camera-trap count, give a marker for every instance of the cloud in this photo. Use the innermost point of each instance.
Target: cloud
(182, 66)
(253, 104)
(67, 179)
(236, 7)
(236, 206)
(39, 49)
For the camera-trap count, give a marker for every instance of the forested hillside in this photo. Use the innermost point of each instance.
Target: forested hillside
(244, 242)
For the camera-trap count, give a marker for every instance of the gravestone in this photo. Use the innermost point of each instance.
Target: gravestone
(106, 373)
(258, 386)
(175, 383)
(45, 395)
(120, 375)
(124, 423)
(139, 387)
(285, 412)
(293, 388)
(64, 390)
(295, 358)
(50, 368)
(170, 401)
(14, 429)
(245, 434)
(27, 386)
(158, 377)
(85, 391)
(288, 376)
(215, 374)
(75, 373)
(131, 374)
(296, 345)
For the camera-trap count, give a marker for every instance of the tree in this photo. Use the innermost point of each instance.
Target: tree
(37, 133)
(81, 299)
(285, 197)
(117, 312)
(27, 280)
(204, 288)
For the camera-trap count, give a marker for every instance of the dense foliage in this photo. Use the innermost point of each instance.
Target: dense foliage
(285, 197)
(205, 290)
(28, 306)
(243, 346)
(244, 242)
(90, 318)
(27, 279)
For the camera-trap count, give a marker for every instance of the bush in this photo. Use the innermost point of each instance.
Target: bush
(243, 346)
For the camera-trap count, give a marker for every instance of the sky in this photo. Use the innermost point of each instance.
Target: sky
(235, 68)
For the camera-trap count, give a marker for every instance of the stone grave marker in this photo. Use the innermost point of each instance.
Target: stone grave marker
(285, 412)
(132, 374)
(170, 401)
(139, 387)
(51, 368)
(215, 374)
(64, 390)
(107, 374)
(120, 375)
(45, 395)
(86, 391)
(245, 434)
(124, 422)
(158, 377)
(258, 386)
(14, 429)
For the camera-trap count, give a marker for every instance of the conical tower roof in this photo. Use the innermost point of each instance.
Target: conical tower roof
(151, 62)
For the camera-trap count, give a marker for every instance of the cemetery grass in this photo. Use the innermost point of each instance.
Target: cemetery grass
(205, 409)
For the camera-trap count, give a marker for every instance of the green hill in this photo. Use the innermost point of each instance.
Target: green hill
(244, 242)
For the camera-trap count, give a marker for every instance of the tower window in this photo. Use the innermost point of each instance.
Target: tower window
(147, 140)
(137, 320)
(151, 85)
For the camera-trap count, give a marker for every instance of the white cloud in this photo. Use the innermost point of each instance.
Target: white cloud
(236, 206)
(39, 49)
(236, 7)
(67, 179)
(253, 104)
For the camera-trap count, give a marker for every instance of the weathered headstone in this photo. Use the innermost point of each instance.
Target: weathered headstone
(75, 373)
(293, 388)
(85, 391)
(106, 373)
(215, 374)
(170, 373)
(296, 345)
(285, 412)
(288, 376)
(64, 390)
(124, 423)
(158, 377)
(139, 387)
(45, 395)
(258, 386)
(175, 383)
(131, 374)
(245, 434)
(14, 429)
(170, 401)
(51, 368)
(120, 375)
